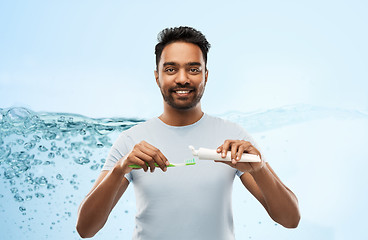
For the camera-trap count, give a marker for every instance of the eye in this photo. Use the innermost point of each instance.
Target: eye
(170, 70)
(194, 70)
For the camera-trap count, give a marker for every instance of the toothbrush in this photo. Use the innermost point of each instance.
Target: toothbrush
(212, 154)
(185, 163)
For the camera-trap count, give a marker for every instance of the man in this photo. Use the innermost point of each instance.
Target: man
(192, 202)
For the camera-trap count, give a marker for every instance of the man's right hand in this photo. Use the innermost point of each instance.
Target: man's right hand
(142, 154)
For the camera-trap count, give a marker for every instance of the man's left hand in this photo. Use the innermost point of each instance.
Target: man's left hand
(236, 149)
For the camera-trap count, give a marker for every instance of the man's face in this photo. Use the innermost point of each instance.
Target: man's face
(181, 75)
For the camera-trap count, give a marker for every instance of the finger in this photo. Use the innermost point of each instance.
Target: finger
(234, 150)
(240, 152)
(140, 162)
(147, 157)
(155, 156)
(225, 148)
(252, 150)
(219, 149)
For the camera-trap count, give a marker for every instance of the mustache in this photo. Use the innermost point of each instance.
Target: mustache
(179, 86)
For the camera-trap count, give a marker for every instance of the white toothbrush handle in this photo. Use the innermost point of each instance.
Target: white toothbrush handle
(211, 154)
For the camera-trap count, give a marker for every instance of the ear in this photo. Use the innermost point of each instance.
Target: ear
(156, 77)
(206, 77)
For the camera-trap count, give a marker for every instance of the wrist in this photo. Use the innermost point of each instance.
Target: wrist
(259, 171)
(120, 170)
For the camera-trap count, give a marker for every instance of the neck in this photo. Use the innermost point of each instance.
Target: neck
(178, 117)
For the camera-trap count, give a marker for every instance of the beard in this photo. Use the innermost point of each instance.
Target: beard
(179, 102)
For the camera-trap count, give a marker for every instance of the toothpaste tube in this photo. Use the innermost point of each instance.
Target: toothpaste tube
(212, 154)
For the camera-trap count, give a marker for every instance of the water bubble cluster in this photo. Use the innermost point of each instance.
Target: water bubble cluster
(41, 152)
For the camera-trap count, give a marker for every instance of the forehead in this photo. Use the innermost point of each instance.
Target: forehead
(181, 53)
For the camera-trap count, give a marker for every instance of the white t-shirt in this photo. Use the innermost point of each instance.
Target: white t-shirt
(191, 202)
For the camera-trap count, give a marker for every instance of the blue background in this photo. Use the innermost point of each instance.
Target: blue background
(97, 59)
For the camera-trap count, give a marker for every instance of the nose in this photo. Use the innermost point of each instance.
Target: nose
(182, 77)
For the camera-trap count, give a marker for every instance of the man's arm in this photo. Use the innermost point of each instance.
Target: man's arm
(99, 202)
(110, 186)
(259, 178)
(278, 200)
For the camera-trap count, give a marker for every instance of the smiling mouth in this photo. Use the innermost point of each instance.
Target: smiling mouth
(182, 91)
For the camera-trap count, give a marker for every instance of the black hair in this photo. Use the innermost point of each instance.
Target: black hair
(181, 34)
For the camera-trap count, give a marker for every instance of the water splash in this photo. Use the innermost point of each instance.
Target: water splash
(261, 121)
(43, 154)
(38, 149)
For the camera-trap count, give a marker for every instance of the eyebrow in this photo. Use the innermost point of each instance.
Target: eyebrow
(170, 63)
(175, 64)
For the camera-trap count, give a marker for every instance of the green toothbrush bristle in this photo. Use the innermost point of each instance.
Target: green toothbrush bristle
(190, 162)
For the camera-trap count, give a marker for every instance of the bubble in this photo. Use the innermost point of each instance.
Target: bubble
(18, 198)
(59, 177)
(95, 167)
(75, 145)
(29, 145)
(23, 156)
(5, 152)
(49, 135)
(41, 181)
(22, 209)
(9, 173)
(42, 148)
(18, 114)
(81, 160)
(37, 162)
(61, 119)
(39, 195)
(37, 138)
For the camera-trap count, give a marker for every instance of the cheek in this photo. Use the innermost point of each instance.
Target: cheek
(202, 84)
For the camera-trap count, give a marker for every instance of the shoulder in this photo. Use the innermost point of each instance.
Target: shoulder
(227, 127)
(142, 126)
(221, 122)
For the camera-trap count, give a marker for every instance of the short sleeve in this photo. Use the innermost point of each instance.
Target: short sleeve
(117, 151)
(239, 173)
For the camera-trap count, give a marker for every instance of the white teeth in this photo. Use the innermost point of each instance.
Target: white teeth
(182, 92)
